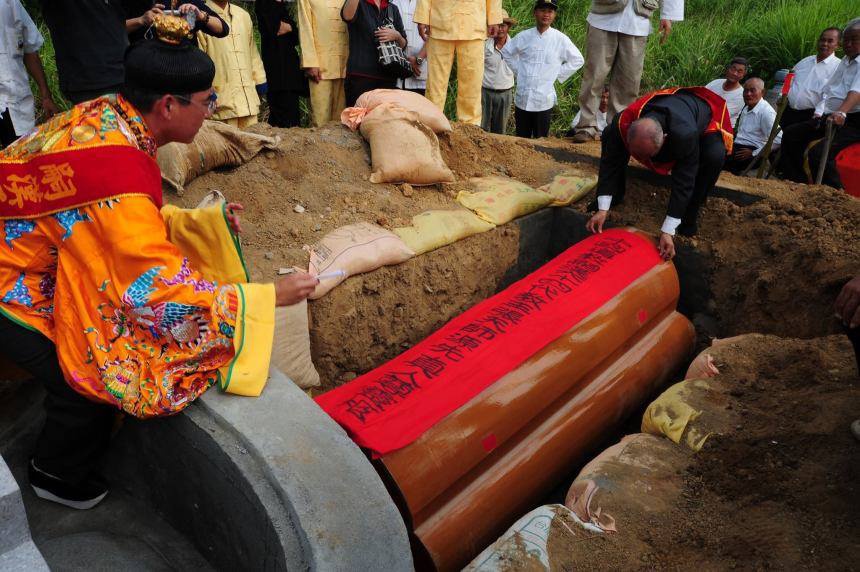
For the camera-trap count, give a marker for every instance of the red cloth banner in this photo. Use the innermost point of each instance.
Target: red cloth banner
(52, 182)
(786, 85)
(391, 406)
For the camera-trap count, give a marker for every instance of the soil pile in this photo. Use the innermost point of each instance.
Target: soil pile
(781, 490)
(777, 264)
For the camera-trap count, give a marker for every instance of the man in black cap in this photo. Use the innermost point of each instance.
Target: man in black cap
(94, 300)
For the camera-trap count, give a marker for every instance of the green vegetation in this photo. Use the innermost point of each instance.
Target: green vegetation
(772, 34)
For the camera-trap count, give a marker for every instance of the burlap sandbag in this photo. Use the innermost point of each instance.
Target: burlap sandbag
(403, 149)
(499, 199)
(433, 229)
(428, 114)
(291, 348)
(354, 249)
(638, 477)
(569, 187)
(215, 145)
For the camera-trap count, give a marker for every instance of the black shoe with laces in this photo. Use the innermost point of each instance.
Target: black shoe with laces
(84, 495)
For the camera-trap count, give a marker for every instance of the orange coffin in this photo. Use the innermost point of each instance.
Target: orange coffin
(473, 473)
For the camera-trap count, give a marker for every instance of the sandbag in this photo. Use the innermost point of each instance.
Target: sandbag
(428, 114)
(433, 229)
(567, 188)
(638, 477)
(690, 412)
(499, 199)
(704, 366)
(215, 145)
(291, 349)
(402, 149)
(538, 541)
(355, 248)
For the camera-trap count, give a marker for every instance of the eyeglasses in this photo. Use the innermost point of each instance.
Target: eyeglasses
(211, 101)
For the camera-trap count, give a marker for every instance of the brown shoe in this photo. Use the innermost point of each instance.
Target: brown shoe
(584, 137)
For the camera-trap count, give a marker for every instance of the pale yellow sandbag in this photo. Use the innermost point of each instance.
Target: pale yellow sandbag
(291, 349)
(499, 199)
(567, 188)
(215, 145)
(672, 416)
(354, 249)
(433, 229)
(402, 149)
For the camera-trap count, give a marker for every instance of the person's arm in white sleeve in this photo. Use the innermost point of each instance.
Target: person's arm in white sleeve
(510, 53)
(572, 60)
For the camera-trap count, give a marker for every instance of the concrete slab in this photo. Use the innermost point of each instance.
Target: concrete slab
(24, 558)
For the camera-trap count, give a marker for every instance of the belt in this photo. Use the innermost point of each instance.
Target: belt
(498, 90)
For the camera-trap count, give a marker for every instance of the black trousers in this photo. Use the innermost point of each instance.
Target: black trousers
(283, 108)
(355, 85)
(76, 431)
(613, 170)
(532, 124)
(793, 116)
(797, 138)
(854, 336)
(735, 165)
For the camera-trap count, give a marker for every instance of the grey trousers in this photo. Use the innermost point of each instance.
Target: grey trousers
(615, 54)
(496, 109)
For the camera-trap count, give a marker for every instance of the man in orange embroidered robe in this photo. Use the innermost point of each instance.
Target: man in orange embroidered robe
(95, 301)
(683, 131)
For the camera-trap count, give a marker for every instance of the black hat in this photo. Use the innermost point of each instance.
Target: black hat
(546, 4)
(160, 67)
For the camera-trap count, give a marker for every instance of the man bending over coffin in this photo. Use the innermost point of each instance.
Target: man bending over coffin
(683, 131)
(95, 302)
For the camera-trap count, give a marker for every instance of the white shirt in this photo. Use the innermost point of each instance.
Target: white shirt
(627, 21)
(497, 74)
(18, 36)
(810, 77)
(539, 60)
(843, 80)
(414, 43)
(600, 118)
(755, 125)
(734, 98)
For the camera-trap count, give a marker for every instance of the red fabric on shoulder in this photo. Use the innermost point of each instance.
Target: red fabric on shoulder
(391, 406)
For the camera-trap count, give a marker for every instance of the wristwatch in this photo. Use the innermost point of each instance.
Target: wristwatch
(419, 61)
(842, 113)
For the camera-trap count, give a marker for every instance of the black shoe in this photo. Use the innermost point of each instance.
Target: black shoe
(84, 495)
(570, 133)
(687, 229)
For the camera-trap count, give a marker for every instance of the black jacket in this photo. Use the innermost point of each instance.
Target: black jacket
(684, 118)
(363, 56)
(280, 58)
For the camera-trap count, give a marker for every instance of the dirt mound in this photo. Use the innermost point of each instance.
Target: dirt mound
(777, 264)
(779, 491)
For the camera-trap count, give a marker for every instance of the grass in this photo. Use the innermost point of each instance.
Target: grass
(772, 34)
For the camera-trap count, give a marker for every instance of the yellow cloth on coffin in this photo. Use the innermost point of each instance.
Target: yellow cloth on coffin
(135, 326)
(205, 237)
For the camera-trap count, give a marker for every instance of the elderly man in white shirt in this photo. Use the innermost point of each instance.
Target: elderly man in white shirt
(753, 127)
(20, 42)
(497, 89)
(811, 74)
(416, 51)
(840, 106)
(539, 56)
(615, 46)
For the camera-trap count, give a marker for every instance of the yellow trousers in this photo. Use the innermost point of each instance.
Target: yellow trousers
(470, 74)
(327, 101)
(240, 122)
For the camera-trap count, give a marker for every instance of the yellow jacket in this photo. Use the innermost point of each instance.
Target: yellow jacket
(323, 37)
(458, 19)
(238, 67)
